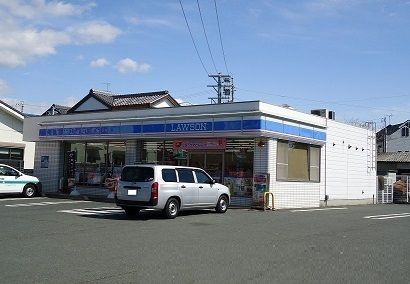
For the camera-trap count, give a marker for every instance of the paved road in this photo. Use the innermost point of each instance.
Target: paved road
(66, 241)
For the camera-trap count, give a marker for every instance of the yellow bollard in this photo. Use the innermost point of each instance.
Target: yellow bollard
(266, 202)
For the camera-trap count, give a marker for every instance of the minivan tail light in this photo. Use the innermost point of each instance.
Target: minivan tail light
(154, 191)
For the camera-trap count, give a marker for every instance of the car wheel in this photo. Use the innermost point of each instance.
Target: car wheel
(29, 191)
(171, 208)
(131, 211)
(222, 204)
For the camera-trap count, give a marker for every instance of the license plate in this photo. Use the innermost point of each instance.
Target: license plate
(132, 192)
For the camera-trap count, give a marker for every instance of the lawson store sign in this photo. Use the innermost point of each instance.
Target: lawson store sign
(178, 128)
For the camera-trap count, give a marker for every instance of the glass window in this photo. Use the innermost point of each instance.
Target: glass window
(186, 175)
(137, 174)
(169, 175)
(16, 154)
(202, 177)
(298, 162)
(6, 171)
(4, 153)
(314, 163)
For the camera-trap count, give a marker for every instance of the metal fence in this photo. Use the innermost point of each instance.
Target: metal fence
(385, 189)
(393, 189)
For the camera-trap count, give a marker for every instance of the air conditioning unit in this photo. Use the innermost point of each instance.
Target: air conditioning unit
(324, 113)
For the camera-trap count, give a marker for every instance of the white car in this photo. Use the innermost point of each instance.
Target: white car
(14, 181)
(170, 189)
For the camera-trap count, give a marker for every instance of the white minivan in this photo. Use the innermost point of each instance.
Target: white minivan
(13, 181)
(170, 189)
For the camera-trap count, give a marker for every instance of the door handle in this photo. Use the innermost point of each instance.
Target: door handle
(183, 186)
(201, 186)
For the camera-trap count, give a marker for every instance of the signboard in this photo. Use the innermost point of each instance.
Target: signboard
(44, 161)
(260, 186)
(200, 144)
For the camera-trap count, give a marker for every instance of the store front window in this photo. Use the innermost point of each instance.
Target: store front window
(91, 163)
(228, 161)
(298, 162)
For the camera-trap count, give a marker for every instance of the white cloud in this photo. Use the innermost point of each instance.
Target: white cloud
(150, 21)
(40, 8)
(100, 62)
(4, 87)
(127, 65)
(70, 101)
(94, 32)
(19, 45)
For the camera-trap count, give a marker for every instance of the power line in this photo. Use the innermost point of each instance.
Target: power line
(323, 101)
(206, 37)
(192, 38)
(220, 37)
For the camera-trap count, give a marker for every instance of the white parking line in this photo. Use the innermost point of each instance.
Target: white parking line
(22, 198)
(319, 209)
(45, 203)
(388, 216)
(94, 211)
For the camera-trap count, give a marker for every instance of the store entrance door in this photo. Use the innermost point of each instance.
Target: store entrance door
(211, 162)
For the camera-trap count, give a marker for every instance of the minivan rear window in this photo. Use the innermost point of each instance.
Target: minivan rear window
(137, 174)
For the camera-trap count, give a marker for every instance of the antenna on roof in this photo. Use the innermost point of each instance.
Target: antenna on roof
(107, 86)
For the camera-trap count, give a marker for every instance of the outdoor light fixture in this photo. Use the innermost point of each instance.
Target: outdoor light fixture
(349, 146)
(334, 143)
(261, 144)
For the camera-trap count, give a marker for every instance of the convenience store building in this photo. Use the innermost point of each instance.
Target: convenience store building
(305, 160)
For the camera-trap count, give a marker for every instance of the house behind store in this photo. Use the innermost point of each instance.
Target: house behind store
(305, 160)
(13, 150)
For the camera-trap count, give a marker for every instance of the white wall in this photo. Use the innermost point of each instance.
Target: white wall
(349, 175)
(11, 131)
(395, 142)
(286, 194)
(91, 104)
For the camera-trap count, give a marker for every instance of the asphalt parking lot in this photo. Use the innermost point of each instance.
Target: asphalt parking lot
(69, 241)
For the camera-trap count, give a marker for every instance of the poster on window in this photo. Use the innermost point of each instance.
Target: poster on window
(44, 161)
(260, 186)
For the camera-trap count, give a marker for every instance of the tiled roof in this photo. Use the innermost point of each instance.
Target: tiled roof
(127, 101)
(58, 109)
(138, 99)
(10, 107)
(401, 157)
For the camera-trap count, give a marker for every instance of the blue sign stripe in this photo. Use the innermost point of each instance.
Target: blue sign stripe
(227, 125)
(189, 127)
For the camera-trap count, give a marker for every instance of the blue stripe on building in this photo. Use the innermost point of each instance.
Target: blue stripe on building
(189, 127)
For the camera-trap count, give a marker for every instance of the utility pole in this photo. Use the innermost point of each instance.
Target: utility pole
(385, 134)
(224, 89)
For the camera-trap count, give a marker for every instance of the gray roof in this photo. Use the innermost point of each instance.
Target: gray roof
(401, 157)
(58, 109)
(127, 101)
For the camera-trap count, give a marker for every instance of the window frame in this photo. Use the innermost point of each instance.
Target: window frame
(167, 169)
(203, 172)
(309, 165)
(186, 169)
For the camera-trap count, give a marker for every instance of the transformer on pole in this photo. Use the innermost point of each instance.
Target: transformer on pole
(224, 89)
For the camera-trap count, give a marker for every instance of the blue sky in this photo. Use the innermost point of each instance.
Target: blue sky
(348, 56)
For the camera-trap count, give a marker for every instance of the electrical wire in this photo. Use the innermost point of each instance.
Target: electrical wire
(206, 37)
(192, 38)
(220, 37)
(321, 101)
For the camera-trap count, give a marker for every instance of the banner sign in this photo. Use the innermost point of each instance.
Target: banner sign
(260, 186)
(200, 144)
